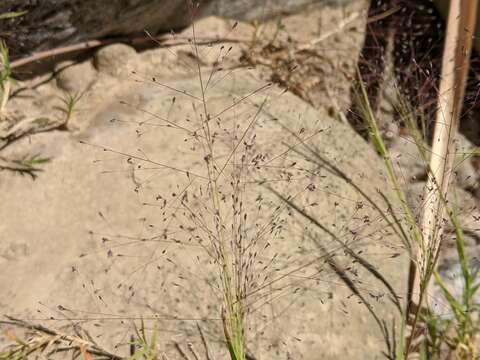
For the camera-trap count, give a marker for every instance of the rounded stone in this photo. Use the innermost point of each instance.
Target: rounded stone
(75, 77)
(115, 60)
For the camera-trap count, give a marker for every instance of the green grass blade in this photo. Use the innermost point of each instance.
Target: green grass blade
(12, 14)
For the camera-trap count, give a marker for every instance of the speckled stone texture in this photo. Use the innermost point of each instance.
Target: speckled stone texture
(51, 23)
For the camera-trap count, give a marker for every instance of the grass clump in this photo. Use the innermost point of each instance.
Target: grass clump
(427, 333)
(459, 333)
(425, 235)
(223, 228)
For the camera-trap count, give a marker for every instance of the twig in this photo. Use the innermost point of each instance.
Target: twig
(342, 25)
(384, 14)
(92, 44)
(59, 51)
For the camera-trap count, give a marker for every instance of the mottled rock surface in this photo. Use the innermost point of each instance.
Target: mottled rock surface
(51, 23)
(105, 236)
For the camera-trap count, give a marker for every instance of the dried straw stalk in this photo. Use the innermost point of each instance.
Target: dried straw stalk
(456, 58)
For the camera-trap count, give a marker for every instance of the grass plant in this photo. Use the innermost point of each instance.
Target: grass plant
(224, 230)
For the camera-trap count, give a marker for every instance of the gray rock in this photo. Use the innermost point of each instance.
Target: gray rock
(408, 159)
(412, 166)
(87, 209)
(246, 9)
(51, 23)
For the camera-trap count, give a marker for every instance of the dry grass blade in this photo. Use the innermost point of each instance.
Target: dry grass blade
(41, 340)
(361, 261)
(341, 273)
(204, 342)
(341, 26)
(181, 352)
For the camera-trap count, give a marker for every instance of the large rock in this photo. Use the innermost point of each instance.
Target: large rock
(105, 237)
(51, 23)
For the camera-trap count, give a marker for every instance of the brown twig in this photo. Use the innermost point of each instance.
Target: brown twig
(92, 44)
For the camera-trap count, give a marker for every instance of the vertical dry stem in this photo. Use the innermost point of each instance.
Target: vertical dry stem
(456, 57)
